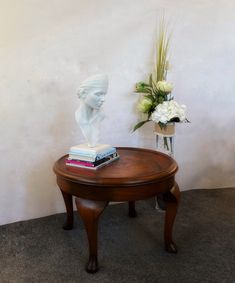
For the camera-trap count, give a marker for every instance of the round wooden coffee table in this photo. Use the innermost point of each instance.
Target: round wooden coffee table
(138, 174)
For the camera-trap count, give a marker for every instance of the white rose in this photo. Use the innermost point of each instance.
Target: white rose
(164, 86)
(144, 105)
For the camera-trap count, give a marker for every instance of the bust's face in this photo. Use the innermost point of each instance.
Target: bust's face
(95, 98)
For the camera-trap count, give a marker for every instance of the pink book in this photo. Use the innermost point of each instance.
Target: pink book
(76, 162)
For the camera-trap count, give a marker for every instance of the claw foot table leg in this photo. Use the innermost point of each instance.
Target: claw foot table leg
(90, 211)
(171, 199)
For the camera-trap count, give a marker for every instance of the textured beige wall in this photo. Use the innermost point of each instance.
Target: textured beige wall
(48, 47)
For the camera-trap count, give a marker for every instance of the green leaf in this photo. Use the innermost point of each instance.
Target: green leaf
(150, 97)
(149, 114)
(150, 80)
(143, 90)
(149, 90)
(140, 124)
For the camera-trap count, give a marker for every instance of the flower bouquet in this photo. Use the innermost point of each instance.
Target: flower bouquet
(157, 101)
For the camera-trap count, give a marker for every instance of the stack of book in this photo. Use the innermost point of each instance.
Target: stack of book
(91, 157)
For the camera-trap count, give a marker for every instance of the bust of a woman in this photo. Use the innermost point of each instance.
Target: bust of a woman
(89, 115)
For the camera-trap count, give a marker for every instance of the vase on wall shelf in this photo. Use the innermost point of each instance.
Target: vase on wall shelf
(165, 138)
(165, 144)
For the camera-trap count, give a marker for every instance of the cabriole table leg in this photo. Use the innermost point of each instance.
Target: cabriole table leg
(171, 199)
(68, 200)
(132, 211)
(90, 211)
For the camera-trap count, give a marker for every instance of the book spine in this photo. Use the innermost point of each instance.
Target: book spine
(107, 162)
(90, 163)
(92, 159)
(80, 166)
(81, 158)
(78, 162)
(93, 167)
(90, 150)
(84, 154)
(104, 151)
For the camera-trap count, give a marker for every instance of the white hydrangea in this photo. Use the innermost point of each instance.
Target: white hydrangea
(168, 110)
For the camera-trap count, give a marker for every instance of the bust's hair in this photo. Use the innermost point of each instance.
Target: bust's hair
(95, 82)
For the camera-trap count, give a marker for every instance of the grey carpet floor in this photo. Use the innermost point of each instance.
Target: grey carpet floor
(130, 249)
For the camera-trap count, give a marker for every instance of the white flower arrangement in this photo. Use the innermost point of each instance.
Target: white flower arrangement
(157, 102)
(169, 111)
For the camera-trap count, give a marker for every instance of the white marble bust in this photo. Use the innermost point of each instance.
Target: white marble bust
(89, 115)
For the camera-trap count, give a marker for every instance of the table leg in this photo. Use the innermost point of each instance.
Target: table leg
(160, 204)
(90, 211)
(68, 200)
(132, 211)
(171, 199)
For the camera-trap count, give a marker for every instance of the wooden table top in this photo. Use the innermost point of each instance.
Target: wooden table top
(135, 166)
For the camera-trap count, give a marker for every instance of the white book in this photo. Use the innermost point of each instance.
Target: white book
(99, 156)
(85, 150)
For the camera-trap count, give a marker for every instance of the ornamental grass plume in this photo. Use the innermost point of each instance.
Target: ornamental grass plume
(158, 90)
